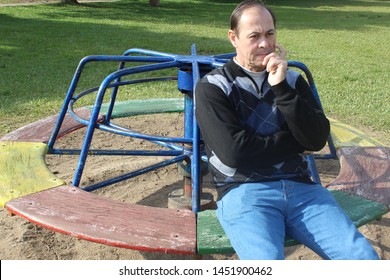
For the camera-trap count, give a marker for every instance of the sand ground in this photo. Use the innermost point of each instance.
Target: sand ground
(22, 240)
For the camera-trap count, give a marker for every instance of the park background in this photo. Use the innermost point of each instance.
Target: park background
(343, 42)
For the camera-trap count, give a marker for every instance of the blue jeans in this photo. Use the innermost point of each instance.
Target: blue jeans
(257, 216)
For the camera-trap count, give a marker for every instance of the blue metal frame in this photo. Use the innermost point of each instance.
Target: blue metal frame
(179, 148)
(190, 69)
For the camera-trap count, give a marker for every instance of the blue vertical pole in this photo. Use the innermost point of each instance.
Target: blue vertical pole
(68, 98)
(195, 162)
(188, 116)
(88, 138)
(313, 169)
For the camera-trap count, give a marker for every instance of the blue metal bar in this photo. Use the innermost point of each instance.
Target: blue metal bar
(188, 117)
(217, 64)
(113, 128)
(225, 56)
(96, 109)
(114, 94)
(325, 156)
(121, 58)
(121, 66)
(119, 152)
(195, 161)
(65, 104)
(134, 173)
(313, 169)
(76, 78)
(118, 83)
(130, 133)
(150, 52)
(166, 143)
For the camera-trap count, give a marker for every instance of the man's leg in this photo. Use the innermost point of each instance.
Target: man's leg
(316, 220)
(253, 219)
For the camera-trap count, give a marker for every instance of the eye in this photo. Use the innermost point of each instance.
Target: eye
(270, 34)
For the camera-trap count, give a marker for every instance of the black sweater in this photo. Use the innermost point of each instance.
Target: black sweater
(254, 135)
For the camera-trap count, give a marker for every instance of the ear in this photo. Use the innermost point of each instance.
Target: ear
(233, 38)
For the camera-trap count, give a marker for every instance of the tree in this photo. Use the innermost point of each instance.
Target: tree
(73, 2)
(154, 3)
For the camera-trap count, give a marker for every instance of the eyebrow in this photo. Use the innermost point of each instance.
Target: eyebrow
(272, 30)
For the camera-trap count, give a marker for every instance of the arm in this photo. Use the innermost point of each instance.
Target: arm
(306, 121)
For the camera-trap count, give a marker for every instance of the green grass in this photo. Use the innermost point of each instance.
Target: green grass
(344, 43)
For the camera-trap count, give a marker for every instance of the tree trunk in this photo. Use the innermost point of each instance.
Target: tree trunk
(154, 3)
(73, 2)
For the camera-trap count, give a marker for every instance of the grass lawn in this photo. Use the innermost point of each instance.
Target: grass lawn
(344, 43)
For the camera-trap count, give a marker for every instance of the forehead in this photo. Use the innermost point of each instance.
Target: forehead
(256, 19)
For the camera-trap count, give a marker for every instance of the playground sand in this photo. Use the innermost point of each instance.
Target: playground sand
(22, 240)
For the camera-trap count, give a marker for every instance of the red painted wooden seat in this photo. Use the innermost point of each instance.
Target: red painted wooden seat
(75, 212)
(365, 172)
(40, 131)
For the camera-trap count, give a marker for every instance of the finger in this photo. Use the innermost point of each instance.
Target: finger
(268, 57)
(272, 64)
(282, 51)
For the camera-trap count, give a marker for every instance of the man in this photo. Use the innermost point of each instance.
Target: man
(257, 118)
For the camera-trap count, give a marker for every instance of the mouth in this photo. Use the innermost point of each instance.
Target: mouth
(264, 53)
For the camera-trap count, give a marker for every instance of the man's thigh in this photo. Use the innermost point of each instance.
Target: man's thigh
(316, 220)
(252, 216)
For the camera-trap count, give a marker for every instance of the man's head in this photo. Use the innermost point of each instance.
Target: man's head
(252, 33)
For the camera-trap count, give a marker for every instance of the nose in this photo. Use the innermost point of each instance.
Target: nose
(263, 43)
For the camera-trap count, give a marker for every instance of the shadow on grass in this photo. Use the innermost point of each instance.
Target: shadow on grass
(298, 14)
(41, 45)
(39, 56)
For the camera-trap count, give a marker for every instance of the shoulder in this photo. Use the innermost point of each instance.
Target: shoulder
(221, 78)
(292, 77)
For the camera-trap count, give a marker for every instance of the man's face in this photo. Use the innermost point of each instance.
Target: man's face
(256, 38)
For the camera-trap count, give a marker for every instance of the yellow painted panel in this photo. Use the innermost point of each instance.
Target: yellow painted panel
(23, 170)
(345, 135)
